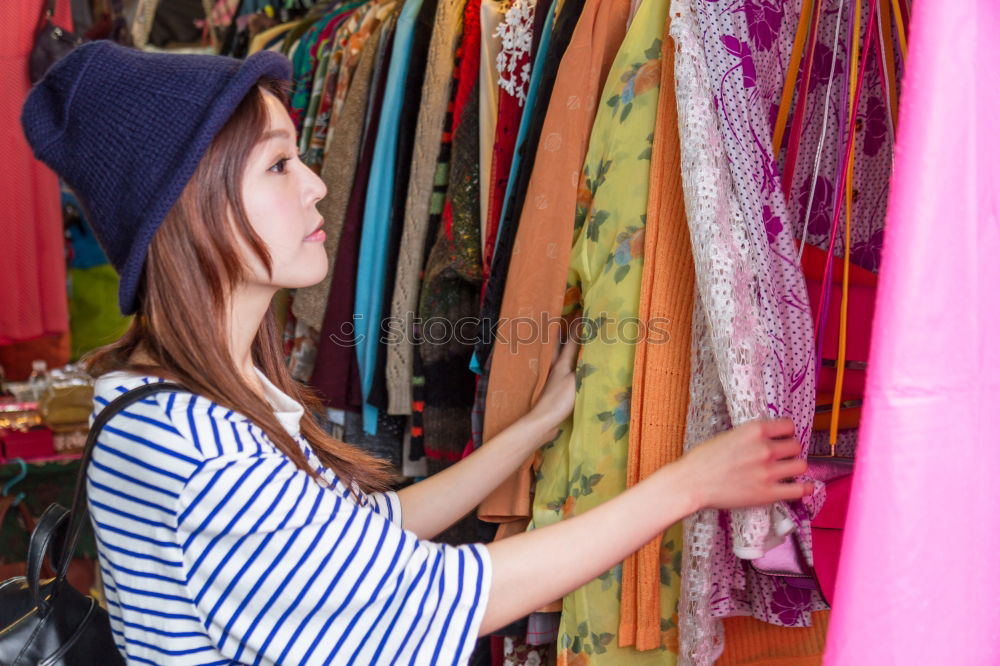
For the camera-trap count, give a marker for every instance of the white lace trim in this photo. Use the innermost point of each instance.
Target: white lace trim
(515, 33)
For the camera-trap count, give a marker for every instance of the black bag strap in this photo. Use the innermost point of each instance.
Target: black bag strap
(53, 519)
(51, 525)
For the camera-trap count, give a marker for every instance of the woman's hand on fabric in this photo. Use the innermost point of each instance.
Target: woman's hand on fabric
(559, 395)
(750, 465)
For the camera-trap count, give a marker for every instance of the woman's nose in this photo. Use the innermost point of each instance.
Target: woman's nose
(315, 189)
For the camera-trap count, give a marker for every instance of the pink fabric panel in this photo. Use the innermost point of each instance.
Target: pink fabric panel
(32, 259)
(918, 581)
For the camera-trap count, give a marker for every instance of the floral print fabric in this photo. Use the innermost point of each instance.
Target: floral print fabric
(752, 340)
(540, 257)
(770, 22)
(586, 464)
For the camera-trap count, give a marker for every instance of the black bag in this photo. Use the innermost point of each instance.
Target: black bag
(52, 43)
(50, 623)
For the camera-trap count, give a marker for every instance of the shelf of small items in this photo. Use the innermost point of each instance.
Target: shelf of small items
(42, 432)
(46, 421)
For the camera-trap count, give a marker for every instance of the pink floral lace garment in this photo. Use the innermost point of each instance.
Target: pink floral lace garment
(752, 342)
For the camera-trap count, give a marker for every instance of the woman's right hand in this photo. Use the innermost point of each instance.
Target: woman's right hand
(742, 467)
(746, 466)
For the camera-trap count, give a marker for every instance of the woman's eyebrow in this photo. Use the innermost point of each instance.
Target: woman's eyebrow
(276, 134)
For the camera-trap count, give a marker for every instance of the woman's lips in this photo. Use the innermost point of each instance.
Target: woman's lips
(317, 236)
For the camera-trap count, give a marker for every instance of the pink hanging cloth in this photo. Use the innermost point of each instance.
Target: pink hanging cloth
(32, 259)
(918, 581)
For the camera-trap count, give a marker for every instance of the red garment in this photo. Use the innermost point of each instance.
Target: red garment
(466, 76)
(508, 121)
(468, 73)
(33, 268)
(16, 358)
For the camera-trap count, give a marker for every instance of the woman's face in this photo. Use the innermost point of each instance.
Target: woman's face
(280, 194)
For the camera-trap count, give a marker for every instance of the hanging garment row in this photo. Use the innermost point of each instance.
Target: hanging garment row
(698, 187)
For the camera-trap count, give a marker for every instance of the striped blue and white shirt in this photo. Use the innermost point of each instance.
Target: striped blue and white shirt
(216, 549)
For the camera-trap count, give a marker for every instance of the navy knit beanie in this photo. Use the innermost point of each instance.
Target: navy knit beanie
(126, 130)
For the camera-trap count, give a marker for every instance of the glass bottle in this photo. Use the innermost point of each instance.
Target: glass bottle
(38, 380)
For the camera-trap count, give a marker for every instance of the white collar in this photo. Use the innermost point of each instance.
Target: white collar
(287, 410)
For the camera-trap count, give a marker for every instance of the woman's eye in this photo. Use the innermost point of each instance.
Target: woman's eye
(279, 166)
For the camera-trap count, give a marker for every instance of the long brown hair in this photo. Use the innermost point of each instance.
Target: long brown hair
(192, 267)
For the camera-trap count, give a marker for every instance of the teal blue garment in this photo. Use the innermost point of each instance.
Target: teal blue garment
(378, 210)
(302, 72)
(526, 119)
(85, 251)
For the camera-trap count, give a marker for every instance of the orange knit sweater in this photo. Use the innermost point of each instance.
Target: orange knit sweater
(750, 642)
(662, 358)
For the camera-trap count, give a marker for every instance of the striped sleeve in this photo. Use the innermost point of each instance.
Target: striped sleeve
(387, 504)
(284, 570)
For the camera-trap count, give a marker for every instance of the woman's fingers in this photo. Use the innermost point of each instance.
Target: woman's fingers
(747, 466)
(777, 429)
(792, 491)
(784, 448)
(787, 469)
(567, 355)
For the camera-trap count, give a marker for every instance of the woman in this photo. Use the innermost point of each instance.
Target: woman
(230, 527)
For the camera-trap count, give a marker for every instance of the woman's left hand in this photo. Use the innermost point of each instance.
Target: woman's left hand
(559, 395)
